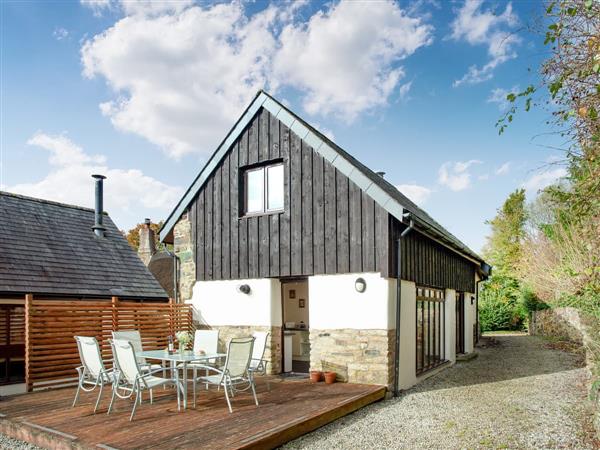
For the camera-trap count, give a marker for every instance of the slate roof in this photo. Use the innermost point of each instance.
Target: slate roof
(50, 248)
(383, 192)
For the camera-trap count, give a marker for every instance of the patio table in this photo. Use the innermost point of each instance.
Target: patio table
(183, 358)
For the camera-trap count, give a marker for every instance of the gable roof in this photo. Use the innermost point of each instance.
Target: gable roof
(49, 248)
(374, 185)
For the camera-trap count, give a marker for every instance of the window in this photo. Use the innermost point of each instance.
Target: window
(263, 189)
(431, 329)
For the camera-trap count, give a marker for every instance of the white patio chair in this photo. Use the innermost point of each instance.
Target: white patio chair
(207, 341)
(234, 372)
(92, 371)
(130, 379)
(258, 365)
(135, 338)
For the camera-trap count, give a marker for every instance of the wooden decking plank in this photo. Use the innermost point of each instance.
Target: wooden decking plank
(289, 410)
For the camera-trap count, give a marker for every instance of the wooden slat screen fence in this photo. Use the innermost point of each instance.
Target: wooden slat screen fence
(51, 352)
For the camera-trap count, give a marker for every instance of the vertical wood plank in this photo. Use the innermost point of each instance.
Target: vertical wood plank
(264, 250)
(296, 204)
(382, 241)
(208, 229)
(253, 247)
(253, 131)
(343, 242)
(330, 219)
(217, 225)
(274, 245)
(243, 223)
(368, 233)
(28, 346)
(200, 237)
(307, 210)
(273, 136)
(226, 220)
(318, 215)
(234, 205)
(285, 218)
(355, 212)
(263, 135)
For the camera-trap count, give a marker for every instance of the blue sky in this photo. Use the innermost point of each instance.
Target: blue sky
(143, 92)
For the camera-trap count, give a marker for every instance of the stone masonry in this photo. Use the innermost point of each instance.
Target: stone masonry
(183, 246)
(358, 356)
(273, 351)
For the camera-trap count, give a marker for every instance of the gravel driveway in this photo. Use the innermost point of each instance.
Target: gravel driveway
(521, 392)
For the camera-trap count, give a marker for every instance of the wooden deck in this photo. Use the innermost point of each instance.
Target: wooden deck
(288, 410)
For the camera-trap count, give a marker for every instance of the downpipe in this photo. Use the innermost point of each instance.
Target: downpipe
(399, 301)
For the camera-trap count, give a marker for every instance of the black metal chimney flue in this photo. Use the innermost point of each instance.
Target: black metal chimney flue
(98, 228)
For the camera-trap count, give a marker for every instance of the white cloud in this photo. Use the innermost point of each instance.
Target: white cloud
(418, 194)
(404, 91)
(97, 6)
(498, 95)
(60, 34)
(456, 175)
(484, 27)
(181, 76)
(544, 179)
(129, 194)
(503, 169)
(345, 59)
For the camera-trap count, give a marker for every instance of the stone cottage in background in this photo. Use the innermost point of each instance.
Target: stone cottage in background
(159, 263)
(284, 231)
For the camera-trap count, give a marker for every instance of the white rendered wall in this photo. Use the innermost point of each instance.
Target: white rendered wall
(218, 303)
(451, 325)
(408, 328)
(335, 303)
(470, 315)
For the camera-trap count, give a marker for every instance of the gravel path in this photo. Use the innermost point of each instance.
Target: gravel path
(521, 392)
(7, 443)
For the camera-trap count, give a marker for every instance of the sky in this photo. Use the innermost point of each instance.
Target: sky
(143, 92)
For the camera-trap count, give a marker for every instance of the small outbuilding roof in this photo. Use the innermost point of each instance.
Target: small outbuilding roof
(374, 185)
(49, 248)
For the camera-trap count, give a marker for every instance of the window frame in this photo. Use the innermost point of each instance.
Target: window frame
(432, 300)
(264, 167)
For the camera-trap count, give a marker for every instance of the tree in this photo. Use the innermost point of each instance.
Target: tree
(503, 249)
(560, 257)
(500, 305)
(133, 235)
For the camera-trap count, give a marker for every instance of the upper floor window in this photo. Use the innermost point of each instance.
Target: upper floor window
(263, 189)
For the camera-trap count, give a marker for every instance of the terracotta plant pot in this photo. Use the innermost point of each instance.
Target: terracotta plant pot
(330, 377)
(316, 376)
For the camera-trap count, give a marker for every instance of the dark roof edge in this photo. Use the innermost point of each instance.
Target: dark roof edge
(47, 202)
(374, 185)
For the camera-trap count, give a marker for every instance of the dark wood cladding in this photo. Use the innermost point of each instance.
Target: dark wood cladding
(328, 225)
(431, 264)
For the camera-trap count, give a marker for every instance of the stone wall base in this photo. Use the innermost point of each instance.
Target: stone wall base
(568, 323)
(358, 356)
(273, 351)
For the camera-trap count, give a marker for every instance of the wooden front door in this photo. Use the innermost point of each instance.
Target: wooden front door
(12, 344)
(460, 322)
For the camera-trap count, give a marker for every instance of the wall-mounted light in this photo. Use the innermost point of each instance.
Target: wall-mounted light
(472, 299)
(244, 289)
(360, 285)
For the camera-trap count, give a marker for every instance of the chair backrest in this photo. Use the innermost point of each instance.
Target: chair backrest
(239, 353)
(207, 340)
(125, 360)
(260, 345)
(89, 353)
(132, 336)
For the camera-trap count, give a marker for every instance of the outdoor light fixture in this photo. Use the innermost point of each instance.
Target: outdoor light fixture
(360, 285)
(244, 289)
(472, 299)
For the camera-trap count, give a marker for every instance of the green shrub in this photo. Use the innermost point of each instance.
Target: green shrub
(501, 306)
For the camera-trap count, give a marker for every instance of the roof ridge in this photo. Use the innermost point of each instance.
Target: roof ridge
(48, 202)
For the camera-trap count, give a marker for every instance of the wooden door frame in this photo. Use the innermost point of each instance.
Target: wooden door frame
(282, 281)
